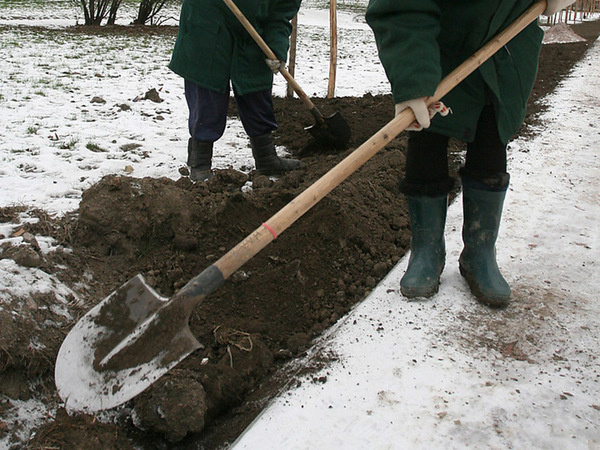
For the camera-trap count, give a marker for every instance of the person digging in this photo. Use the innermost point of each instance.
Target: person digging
(214, 54)
(419, 43)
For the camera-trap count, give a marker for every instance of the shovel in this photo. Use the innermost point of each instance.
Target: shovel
(333, 131)
(134, 336)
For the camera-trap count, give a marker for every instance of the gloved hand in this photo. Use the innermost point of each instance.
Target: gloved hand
(275, 65)
(554, 6)
(421, 112)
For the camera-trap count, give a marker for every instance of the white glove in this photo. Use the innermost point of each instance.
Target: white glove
(421, 112)
(554, 6)
(274, 64)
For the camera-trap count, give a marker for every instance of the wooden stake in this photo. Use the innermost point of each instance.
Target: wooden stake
(332, 48)
(292, 62)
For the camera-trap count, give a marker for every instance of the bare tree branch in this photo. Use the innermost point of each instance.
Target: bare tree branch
(148, 11)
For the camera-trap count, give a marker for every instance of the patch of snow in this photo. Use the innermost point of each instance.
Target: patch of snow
(18, 282)
(24, 416)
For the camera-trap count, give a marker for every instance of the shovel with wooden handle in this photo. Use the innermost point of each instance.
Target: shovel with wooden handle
(134, 336)
(333, 131)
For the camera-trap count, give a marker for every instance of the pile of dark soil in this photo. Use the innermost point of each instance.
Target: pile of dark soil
(268, 312)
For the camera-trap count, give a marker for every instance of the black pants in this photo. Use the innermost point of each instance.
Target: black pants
(427, 159)
(208, 112)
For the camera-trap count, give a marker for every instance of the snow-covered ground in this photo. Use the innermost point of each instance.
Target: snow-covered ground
(449, 373)
(429, 374)
(71, 109)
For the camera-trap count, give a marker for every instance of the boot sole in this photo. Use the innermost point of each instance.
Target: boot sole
(269, 173)
(493, 301)
(417, 293)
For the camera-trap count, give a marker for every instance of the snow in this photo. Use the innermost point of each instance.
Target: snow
(439, 373)
(407, 374)
(27, 415)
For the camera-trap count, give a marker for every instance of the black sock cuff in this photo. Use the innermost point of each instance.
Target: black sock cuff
(434, 189)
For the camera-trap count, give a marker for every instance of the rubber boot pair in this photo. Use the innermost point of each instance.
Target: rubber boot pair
(482, 210)
(200, 160)
(266, 159)
(263, 149)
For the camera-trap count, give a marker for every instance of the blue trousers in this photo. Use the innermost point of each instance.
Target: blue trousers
(208, 112)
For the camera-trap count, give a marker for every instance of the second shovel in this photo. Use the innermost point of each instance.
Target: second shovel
(333, 131)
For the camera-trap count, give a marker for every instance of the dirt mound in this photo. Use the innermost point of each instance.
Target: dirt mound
(268, 311)
(266, 314)
(561, 33)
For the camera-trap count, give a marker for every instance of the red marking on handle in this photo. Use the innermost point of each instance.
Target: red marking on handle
(270, 229)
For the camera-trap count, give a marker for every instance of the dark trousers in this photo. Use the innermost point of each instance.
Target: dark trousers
(427, 159)
(208, 112)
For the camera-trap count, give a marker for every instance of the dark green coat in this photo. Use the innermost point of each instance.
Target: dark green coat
(212, 47)
(421, 41)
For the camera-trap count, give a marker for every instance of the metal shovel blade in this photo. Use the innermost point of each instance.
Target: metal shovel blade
(120, 347)
(333, 131)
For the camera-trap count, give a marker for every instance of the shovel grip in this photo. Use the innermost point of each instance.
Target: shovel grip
(317, 115)
(202, 285)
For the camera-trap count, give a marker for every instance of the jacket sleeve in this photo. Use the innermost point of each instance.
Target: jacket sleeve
(278, 28)
(406, 33)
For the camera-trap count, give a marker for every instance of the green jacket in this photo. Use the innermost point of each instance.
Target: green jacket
(421, 41)
(212, 47)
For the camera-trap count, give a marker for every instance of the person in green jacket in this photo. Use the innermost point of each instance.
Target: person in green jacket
(420, 42)
(214, 53)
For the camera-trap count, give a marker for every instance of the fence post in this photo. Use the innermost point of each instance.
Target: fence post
(292, 62)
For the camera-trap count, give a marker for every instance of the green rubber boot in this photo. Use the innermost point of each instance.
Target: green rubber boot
(482, 213)
(200, 160)
(266, 159)
(427, 246)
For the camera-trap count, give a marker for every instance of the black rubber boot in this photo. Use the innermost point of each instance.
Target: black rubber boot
(427, 246)
(266, 159)
(200, 160)
(482, 213)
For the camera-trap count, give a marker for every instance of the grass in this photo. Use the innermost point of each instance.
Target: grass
(32, 151)
(93, 147)
(69, 145)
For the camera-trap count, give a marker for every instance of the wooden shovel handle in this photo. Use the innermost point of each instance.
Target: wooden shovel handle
(267, 232)
(269, 53)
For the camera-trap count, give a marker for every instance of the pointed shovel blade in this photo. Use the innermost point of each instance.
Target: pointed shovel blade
(332, 131)
(120, 347)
